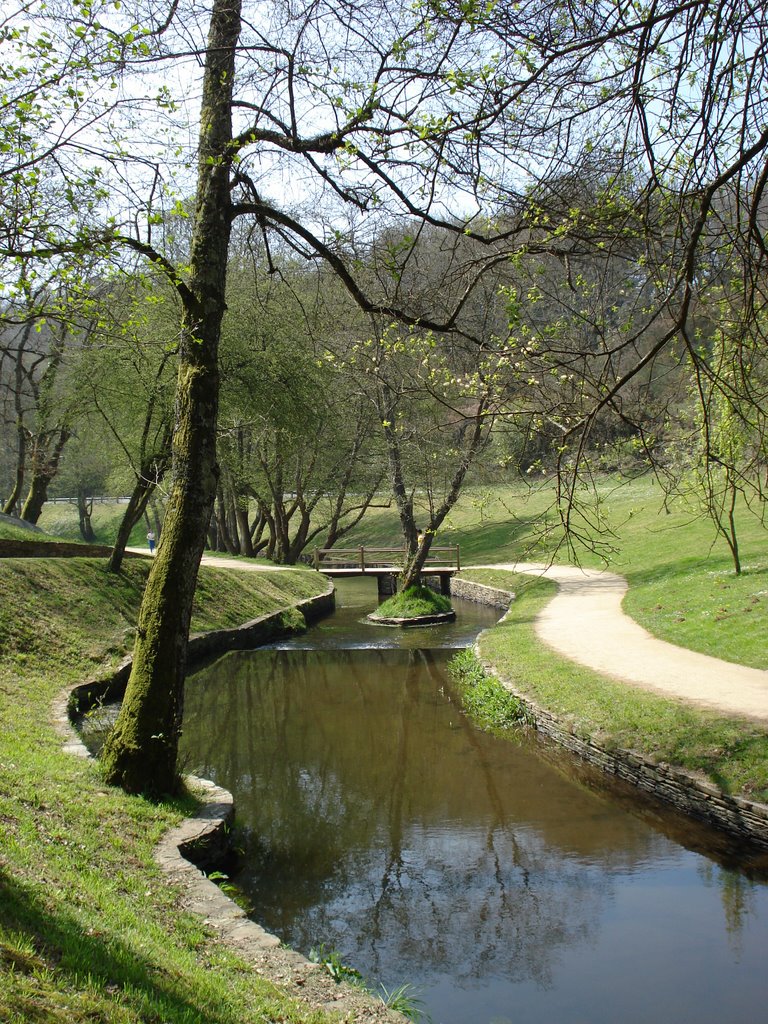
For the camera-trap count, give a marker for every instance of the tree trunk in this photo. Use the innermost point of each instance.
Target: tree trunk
(243, 527)
(84, 511)
(411, 574)
(135, 509)
(414, 563)
(222, 525)
(232, 525)
(419, 542)
(10, 507)
(44, 469)
(140, 753)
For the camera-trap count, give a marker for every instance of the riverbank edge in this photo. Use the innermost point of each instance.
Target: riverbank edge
(740, 818)
(481, 593)
(202, 841)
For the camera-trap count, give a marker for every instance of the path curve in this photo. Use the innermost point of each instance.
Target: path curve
(586, 623)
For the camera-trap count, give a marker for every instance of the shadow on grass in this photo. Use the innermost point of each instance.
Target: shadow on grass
(69, 952)
(508, 540)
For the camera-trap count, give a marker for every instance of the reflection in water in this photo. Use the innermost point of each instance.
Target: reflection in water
(379, 821)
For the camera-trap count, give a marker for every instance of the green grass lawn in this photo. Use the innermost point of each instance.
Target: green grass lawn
(90, 930)
(60, 520)
(414, 602)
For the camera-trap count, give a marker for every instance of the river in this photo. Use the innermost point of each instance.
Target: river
(503, 883)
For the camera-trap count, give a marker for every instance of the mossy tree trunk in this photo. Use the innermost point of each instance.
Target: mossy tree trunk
(45, 458)
(141, 751)
(416, 551)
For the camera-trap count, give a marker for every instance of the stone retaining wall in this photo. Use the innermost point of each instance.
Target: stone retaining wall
(744, 819)
(741, 818)
(480, 593)
(57, 549)
(254, 633)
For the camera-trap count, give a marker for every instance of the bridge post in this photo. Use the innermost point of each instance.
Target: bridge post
(362, 559)
(317, 559)
(386, 585)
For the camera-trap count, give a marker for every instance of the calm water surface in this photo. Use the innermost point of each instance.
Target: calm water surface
(379, 821)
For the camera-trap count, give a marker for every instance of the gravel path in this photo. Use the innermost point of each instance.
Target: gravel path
(585, 622)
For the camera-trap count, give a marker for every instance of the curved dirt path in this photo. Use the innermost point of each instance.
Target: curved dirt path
(586, 623)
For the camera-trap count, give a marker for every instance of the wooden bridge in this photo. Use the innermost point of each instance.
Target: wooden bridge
(386, 564)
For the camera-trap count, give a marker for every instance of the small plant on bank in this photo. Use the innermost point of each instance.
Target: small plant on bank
(404, 1000)
(413, 603)
(332, 962)
(483, 697)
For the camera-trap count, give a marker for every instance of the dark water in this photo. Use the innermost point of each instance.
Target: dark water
(377, 820)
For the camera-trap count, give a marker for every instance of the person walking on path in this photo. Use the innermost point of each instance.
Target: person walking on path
(151, 542)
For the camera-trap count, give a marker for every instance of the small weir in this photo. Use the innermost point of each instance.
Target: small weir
(378, 822)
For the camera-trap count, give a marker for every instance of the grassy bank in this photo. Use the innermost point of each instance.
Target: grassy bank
(731, 753)
(89, 928)
(413, 603)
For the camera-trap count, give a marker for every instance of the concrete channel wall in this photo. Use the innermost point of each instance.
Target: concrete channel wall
(741, 818)
(480, 593)
(253, 633)
(56, 549)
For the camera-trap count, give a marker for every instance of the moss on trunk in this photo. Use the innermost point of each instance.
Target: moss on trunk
(141, 751)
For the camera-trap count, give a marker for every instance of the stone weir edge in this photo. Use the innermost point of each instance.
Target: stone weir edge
(743, 819)
(202, 841)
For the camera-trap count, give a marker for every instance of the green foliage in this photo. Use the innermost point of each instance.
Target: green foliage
(413, 602)
(483, 696)
(334, 965)
(402, 999)
(406, 1000)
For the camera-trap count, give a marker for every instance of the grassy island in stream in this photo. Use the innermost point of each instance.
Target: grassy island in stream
(413, 603)
(90, 929)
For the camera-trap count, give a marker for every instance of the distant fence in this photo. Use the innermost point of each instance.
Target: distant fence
(97, 499)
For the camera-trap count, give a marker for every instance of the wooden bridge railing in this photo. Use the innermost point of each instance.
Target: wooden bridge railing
(365, 558)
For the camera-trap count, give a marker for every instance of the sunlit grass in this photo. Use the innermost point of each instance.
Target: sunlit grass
(683, 587)
(90, 930)
(414, 602)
